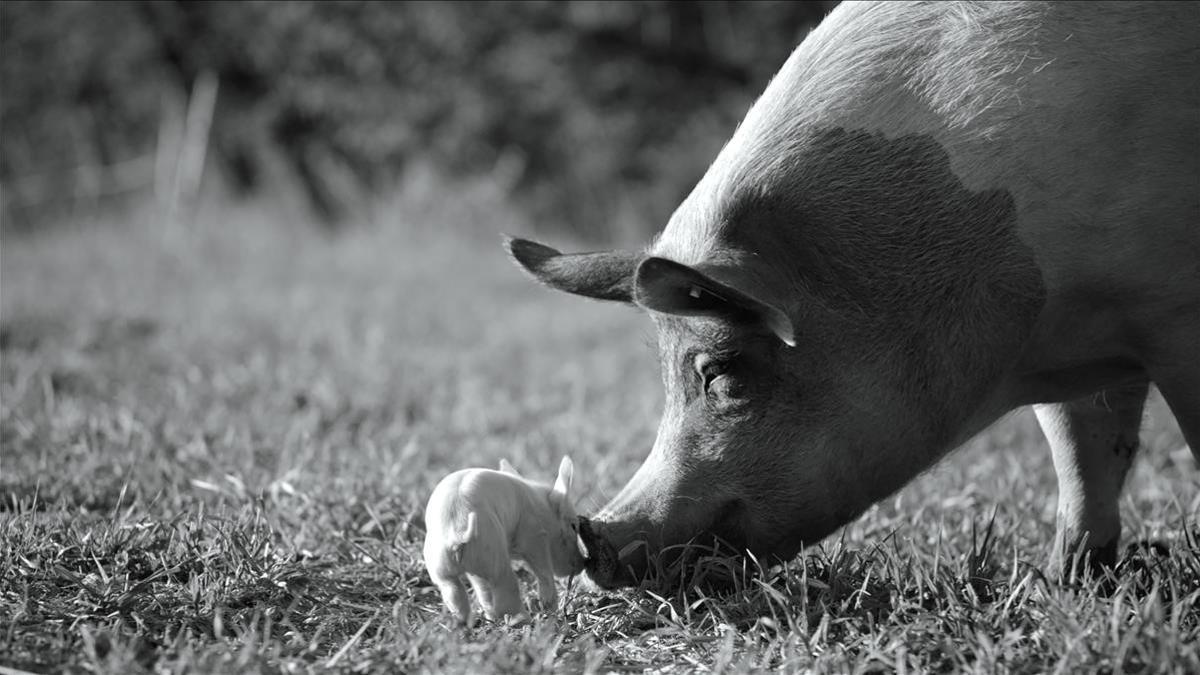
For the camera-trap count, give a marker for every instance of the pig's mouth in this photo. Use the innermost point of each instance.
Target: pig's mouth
(717, 566)
(602, 562)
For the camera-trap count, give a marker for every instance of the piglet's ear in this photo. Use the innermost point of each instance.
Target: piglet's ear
(505, 467)
(566, 472)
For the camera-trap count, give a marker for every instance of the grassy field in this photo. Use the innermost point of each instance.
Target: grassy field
(217, 446)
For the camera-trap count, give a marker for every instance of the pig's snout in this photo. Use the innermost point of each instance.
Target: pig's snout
(606, 566)
(601, 559)
(628, 552)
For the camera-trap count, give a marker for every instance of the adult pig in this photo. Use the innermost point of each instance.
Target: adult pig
(936, 213)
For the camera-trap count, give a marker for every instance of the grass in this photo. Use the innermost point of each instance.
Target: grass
(217, 446)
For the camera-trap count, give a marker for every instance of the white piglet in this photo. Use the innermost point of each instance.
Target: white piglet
(479, 520)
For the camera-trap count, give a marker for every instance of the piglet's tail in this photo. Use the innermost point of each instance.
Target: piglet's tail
(467, 534)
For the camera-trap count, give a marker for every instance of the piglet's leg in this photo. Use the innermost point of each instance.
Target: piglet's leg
(539, 561)
(506, 595)
(483, 591)
(547, 591)
(454, 594)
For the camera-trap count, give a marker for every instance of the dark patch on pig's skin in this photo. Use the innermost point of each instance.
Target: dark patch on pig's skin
(903, 285)
(894, 262)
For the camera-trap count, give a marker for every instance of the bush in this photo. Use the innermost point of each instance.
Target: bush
(591, 112)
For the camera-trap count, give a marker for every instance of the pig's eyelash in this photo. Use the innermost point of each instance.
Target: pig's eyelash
(725, 355)
(718, 354)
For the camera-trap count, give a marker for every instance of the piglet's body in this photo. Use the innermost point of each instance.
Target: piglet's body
(478, 521)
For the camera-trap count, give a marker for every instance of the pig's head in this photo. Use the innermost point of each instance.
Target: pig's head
(816, 352)
(740, 456)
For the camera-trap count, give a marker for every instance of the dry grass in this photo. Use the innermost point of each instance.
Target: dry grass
(216, 452)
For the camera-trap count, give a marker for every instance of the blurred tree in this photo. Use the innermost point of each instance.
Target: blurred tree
(67, 97)
(591, 111)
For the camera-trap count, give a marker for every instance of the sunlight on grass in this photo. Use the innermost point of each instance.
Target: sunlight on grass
(217, 447)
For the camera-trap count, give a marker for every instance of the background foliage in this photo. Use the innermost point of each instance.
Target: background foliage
(588, 112)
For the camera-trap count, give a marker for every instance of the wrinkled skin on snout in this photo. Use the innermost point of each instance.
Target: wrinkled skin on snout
(935, 213)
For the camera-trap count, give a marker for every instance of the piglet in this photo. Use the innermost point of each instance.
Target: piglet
(479, 520)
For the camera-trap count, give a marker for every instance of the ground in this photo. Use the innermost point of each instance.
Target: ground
(218, 440)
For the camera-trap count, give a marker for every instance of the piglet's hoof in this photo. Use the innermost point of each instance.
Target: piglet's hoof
(601, 561)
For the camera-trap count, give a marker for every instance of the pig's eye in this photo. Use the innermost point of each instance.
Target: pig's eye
(712, 371)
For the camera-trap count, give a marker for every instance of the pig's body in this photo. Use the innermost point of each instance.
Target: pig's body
(477, 521)
(936, 213)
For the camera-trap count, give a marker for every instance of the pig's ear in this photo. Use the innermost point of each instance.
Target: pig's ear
(603, 275)
(505, 467)
(562, 485)
(669, 287)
